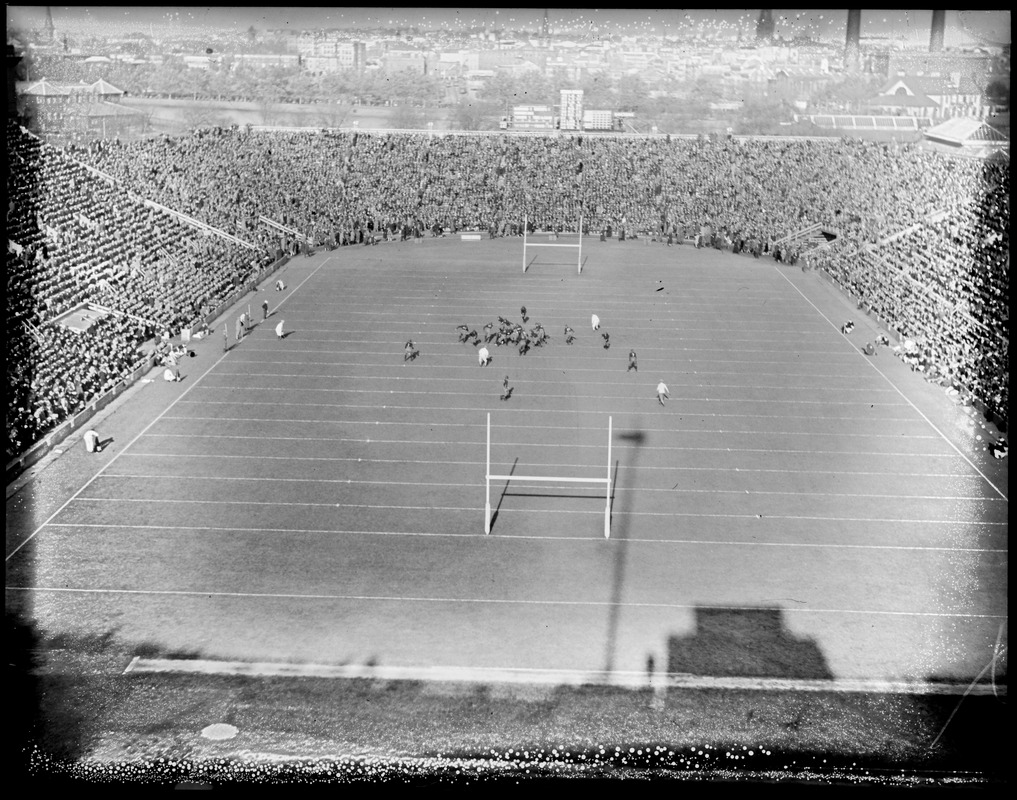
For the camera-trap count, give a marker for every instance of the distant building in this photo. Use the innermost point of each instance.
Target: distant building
(975, 68)
(533, 118)
(86, 109)
(596, 120)
(265, 61)
(571, 113)
(326, 53)
(416, 61)
(935, 98)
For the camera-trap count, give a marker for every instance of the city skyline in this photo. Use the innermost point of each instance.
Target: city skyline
(964, 28)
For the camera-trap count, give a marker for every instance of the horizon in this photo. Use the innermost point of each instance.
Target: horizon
(963, 28)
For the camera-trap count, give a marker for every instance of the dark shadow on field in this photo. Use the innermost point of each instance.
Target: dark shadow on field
(619, 540)
(23, 684)
(504, 492)
(51, 707)
(744, 643)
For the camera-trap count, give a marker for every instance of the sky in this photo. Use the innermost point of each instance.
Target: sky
(963, 27)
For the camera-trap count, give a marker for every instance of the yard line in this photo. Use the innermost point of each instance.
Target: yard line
(448, 339)
(493, 601)
(557, 427)
(533, 356)
(562, 411)
(895, 472)
(487, 382)
(571, 369)
(567, 428)
(576, 352)
(535, 537)
(872, 364)
(145, 429)
(460, 485)
(468, 443)
(479, 510)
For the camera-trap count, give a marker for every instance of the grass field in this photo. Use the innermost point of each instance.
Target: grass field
(796, 511)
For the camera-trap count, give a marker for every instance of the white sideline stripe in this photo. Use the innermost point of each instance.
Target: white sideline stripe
(666, 490)
(556, 677)
(492, 601)
(444, 340)
(895, 473)
(573, 369)
(600, 371)
(867, 453)
(249, 377)
(473, 510)
(535, 537)
(569, 396)
(872, 364)
(535, 355)
(429, 392)
(380, 309)
(573, 428)
(565, 428)
(562, 411)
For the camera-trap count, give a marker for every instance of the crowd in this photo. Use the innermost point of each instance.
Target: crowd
(86, 238)
(943, 285)
(74, 238)
(344, 184)
(55, 372)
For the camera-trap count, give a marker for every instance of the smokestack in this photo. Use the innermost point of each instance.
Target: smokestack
(764, 28)
(854, 34)
(938, 31)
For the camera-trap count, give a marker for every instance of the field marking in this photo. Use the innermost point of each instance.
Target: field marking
(387, 380)
(571, 369)
(547, 427)
(479, 510)
(626, 490)
(895, 473)
(534, 537)
(191, 386)
(568, 429)
(632, 679)
(470, 443)
(533, 355)
(537, 350)
(872, 365)
(674, 399)
(492, 601)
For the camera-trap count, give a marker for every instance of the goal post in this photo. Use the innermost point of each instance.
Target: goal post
(528, 244)
(488, 477)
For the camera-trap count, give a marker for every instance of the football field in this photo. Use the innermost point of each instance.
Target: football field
(795, 510)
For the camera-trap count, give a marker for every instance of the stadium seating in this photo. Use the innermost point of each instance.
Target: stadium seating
(942, 284)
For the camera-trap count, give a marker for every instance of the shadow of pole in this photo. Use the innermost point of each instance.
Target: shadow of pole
(619, 534)
(504, 492)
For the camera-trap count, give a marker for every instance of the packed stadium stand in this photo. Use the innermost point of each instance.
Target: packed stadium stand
(922, 238)
(75, 239)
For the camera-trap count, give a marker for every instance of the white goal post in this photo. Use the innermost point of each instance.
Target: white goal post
(606, 481)
(527, 244)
